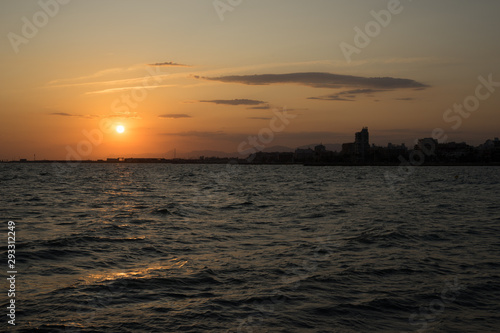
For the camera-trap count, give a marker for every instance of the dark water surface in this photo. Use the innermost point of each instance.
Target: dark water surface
(212, 248)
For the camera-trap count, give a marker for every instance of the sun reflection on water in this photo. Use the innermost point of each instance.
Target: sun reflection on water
(144, 273)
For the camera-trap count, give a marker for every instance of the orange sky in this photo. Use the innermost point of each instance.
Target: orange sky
(193, 76)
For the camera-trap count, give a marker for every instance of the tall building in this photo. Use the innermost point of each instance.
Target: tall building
(362, 145)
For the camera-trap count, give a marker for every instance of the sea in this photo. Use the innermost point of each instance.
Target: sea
(121, 247)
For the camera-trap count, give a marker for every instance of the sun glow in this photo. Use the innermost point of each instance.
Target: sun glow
(120, 129)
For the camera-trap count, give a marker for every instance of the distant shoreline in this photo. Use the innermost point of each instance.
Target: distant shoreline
(241, 162)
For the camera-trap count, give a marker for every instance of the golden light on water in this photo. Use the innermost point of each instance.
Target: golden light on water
(146, 272)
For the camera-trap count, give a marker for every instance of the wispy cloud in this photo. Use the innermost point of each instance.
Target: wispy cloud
(199, 134)
(169, 63)
(136, 82)
(65, 114)
(262, 107)
(321, 80)
(114, 90)
(234, 101)
(270, 107)
(361, 91)
(174, 116)
(143, 77)
(260, 118)
(105, 72)
(332, 98)
(129, 115)
(348, 95)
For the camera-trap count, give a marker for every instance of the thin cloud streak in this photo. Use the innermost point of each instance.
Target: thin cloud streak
(348, 95)
(99, 74)
(133, 81)
(216, 134)
(332, 98)
(174, 116)
(263, 107)
(65, 114)
(260, 118)
(169, 63)
(113, 90)
(234, 101)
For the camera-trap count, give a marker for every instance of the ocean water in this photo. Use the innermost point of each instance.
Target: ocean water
(216, 248)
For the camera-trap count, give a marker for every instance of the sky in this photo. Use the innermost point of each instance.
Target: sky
(229, 75)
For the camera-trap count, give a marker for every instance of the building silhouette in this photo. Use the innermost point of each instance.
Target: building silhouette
(304, 155)
(362, 145)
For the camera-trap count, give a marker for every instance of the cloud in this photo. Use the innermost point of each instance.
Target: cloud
(321, 80)
(197, 134)
(269, 107)
(174, 116)
(234, 101)
(260, 118)
(105, 72)
(405, 99)
(114, 90)
(63, 114)
(361, 91)
(169, 63)
(262, 107)
(348, 95)
(331, 98)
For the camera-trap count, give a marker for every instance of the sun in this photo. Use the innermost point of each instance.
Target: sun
(120, 129)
